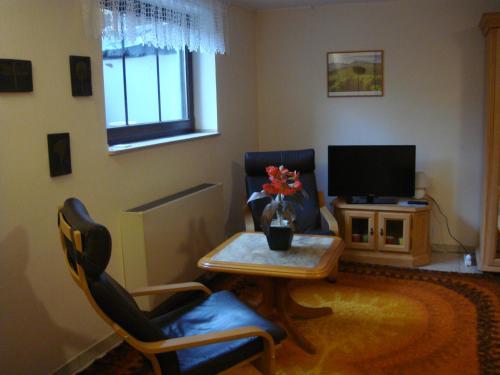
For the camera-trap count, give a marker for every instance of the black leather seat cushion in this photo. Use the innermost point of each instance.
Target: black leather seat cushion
(218, 312)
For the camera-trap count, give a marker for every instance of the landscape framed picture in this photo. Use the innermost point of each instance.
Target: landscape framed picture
(355, 73)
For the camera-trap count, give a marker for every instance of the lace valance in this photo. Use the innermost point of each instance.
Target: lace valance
(198, 25)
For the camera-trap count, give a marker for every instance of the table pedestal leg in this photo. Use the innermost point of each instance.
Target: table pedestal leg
(267, 306)
(332, 277)
(304, 312)
(278, 303)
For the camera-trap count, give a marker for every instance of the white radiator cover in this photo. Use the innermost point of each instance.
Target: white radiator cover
(163, 240)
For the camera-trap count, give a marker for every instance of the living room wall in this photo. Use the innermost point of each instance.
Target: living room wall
(45, 319)
(434, 91)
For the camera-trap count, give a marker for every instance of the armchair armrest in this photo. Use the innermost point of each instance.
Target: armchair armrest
(333, 226)
(179, 343)
(170, 288)
(266, 364)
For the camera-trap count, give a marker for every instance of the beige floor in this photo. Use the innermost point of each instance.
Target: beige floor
(449, 262)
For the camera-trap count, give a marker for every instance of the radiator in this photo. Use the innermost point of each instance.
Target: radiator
(163, 240)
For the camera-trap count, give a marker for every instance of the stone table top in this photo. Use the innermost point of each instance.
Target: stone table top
(252, 248)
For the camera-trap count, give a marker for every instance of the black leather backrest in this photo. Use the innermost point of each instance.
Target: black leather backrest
(308, 217)
(297, 160)
(95, 237)
(109, 295)
(121, 307)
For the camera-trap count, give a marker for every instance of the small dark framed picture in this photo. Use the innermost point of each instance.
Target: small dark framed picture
(81, 76)
(59, 154)
(15, 76)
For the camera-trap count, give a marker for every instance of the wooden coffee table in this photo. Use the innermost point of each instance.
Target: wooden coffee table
(311, 257)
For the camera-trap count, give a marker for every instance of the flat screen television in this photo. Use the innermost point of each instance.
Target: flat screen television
(371, 171)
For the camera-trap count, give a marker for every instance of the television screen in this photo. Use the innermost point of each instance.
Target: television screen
(384, 171)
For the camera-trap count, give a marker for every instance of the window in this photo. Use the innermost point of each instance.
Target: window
(148, 92)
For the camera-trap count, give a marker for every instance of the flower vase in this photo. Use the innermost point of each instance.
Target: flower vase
(280, 238)
(280, 234)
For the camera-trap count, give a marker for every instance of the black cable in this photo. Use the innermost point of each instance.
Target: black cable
(448, 224)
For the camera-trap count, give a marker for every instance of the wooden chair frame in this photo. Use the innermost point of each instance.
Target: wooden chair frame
(330, 220)
(264, 361)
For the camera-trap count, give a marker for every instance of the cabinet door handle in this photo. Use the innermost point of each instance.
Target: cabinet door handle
(371, 231)
(381, 231)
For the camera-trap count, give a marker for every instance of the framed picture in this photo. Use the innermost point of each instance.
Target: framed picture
(15, 76)
(355, 73)
(81, 77)
(59, 154)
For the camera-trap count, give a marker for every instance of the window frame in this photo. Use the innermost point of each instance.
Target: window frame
(162, 129)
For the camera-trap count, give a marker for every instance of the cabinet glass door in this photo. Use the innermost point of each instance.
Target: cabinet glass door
(359, 230)
(394, 232)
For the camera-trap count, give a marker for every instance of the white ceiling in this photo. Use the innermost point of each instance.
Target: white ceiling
(280, 4)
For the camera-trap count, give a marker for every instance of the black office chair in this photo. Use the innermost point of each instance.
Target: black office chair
(206, 336)
(313, 209)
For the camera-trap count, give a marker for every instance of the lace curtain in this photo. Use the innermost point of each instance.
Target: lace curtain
(172, 24)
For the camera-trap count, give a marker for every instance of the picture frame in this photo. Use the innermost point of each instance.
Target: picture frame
(15, 76)
(355, 73)
(59, 154)
(81, 75)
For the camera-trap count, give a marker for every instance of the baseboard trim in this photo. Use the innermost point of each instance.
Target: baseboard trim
(85, 358)
(451, 248)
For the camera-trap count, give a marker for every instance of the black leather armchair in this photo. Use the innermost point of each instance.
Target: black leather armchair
(208, 335)
(314, 208)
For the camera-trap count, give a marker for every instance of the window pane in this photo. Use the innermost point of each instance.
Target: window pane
(114, 96)
(142, 88)
(173, 85)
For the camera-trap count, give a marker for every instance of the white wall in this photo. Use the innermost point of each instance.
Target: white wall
(44, 318)
(434, 91)
(434, 99)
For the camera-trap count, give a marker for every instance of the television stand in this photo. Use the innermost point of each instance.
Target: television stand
(391, 234)
(370, 199)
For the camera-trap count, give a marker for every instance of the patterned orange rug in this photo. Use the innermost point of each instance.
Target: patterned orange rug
(386, 321)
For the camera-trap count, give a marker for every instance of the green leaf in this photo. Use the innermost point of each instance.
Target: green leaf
(267, 216)
(258, 195)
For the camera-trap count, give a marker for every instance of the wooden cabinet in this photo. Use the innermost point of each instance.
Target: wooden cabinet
(489, 256)
(384, 234)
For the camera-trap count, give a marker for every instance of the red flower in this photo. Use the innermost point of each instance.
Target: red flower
(297, 185)
(276, 184)
(282, 181)
(287, 190)
(294, 175)
(273, 171)
(283, 171)
(270, 189)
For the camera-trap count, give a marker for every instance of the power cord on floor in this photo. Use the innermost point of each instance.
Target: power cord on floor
(447, 224)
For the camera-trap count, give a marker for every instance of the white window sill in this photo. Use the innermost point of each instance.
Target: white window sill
(127, 147)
